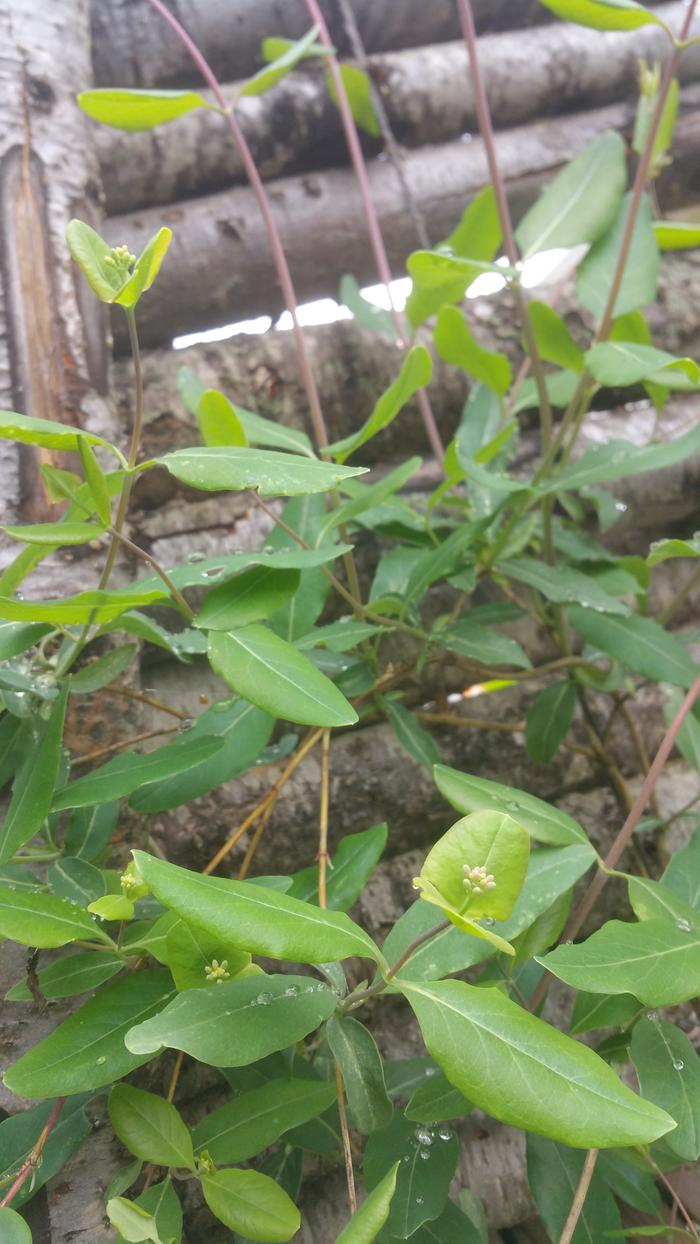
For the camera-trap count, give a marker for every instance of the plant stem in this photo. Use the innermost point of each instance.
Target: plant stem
(255, 839)
(32, 1161)
(323, 820)
(116, 747)
(345, 1133)
(173, 591)
(677, 1202)
(361, 995)
(144, 698)
(280, 259)
(373, 226)
(580, 1195)
(598, 883)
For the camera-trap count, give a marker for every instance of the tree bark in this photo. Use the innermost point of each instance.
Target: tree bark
(52, 335)
(427, 93)
(133, 47)
(219, 268)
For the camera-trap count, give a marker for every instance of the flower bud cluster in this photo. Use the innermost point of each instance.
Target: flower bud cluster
(216, 971)
(120, 258)
(476, 880)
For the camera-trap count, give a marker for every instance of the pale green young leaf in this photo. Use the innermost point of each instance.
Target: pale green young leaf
(83, 607)
(252, 1204)
(358, 88)
(654, 960)
(150, 1127)
(604, 14)
(581, 203)
(238, 1022)
(542, 821)
(136, 109)
(412, 736)
(96, 481)
(676, 235)
(355, 1051)
(218, 420)
(145, 270)
(255, 594)
(255, 918)
(46, 433)
(662, 550)
(456, 345)
(416, 372)
(161, 1200)
(682, 874)
(102, 670)
(668, 1068)
(40, 744)
(223, 468)
(245, 1126)
(595, 274)
(275, 676)
(478, 234)
(13, 1228)
(128, 772)
(191, 952)
(282, 56)
(87, 1050)
(566, 1092)
(639, 643)
(56, 535)
(258, 431)
(651, 900)
(491, 841)
(481, 643)
(619, 363)
(96, 262)
(554, 341)
(368, 1220)
(562, 584)
(548, 720)
(133, 1223)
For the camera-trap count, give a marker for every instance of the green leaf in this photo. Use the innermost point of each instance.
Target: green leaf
(581, 203)
(245, 731)
(562, 584)
(548, 720)
(618, 459)
(220, 468)
(351, 867)
(252, 1204)
(565, 1091)
(478, 234)
(682, 874)
(76, 880)
(239, 1021)
(422, 1181)
(554, 1172)
(14, 1229)
(96, 481)
(87, 1050)
(554, 341)
(39, 742)
(150, 1127)
(651, 900)
(491, 841)
(676, 235)
(633, 1186)
(96, 261)
(138, 110)
(594, 1010)
(620, 363)
(595, 273)
(84, 607)
(255, 918)
(368, 1220)
(55, 534)
(89, 830)
(46, 433)
(255, 594)
(252, 1121)
(376, 319)
(162, 1201)
(218, 421)
(190, 951)
(540, 819)
(653, 960)
(281, 64)
(70, 976)
(440, 562)
(133, 1223)
(455, 344)
(364, 497)
(661, 550)
(273, 674)
(416, 372)
(19, 1133)
(435, 1100)
(668, 1068)
(604, 15)
(639, 643)
(358, 88)
(16, 637)
(128, 772)
(146, 269)
(354, 1049)
(482, 644)
(412, 736)
(102, 671)
(258, 431)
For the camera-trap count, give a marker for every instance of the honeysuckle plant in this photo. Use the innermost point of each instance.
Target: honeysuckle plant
(268, 980)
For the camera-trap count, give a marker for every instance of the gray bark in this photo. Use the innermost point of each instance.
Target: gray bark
(133, 47)
(52, 338)
(219, 269)
(427, 93)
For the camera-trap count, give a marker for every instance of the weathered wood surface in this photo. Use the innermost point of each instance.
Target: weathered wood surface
(427, 93)
(219, 269)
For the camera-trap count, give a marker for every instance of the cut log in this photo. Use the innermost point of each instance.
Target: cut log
(427, 93)
(132, 46)
(219, 268)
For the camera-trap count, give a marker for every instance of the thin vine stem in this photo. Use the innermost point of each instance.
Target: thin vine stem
(323, 820)
(580, 1195)
(32, 1161)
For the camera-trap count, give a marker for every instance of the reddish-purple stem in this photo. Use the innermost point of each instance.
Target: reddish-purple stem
(257, 185)
(373, 226)
(29, 1165)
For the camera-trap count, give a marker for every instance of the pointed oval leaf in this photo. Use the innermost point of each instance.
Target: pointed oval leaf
(138, 110)
(70, 976)
(221, 469)
(368, 1220)
(548, 720)
(252, 1204)
(279, 67)
(13, 1228)
(55, 534)
(42, 920)
(253, 1120)
(427, 1163)
(353, 865)
(128, 772)
(40, 745)
(638, 643)
(273, 674)
(95, 259)
(416, 372)
(491, 841)
(565, 1091)
(604, 14)
(581, 203)
(150, 1127)
(657, 961)
(218, 421)
(668, 1067)
(354, 1049)
(255, 918)
(595, 274)
(257, 593)
(46, 433)
(146, 269)
(84, 607)
(238, 1022)
(133, 1223)
(554, 1172)
(87, 1050)
(628, 362)
(540, 819)
(358, 88)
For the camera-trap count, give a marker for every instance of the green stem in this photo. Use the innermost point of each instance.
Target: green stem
(361, 995)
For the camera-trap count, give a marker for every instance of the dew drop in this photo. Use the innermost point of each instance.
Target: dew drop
(488, 921)
(653, 1016)
(405, 1158)
(268, 549)
(620, 507)
(102, 1059)
(195, 556)
(292, 991)
(678, 1064)
(431, 1071)
(512, 806)
(213, 573)
(186, 724)
(263, 999)
(423, 1136)
(683, 925)
(19, 595)
(419, 1200)
(445, 1133)
(424, 1154)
